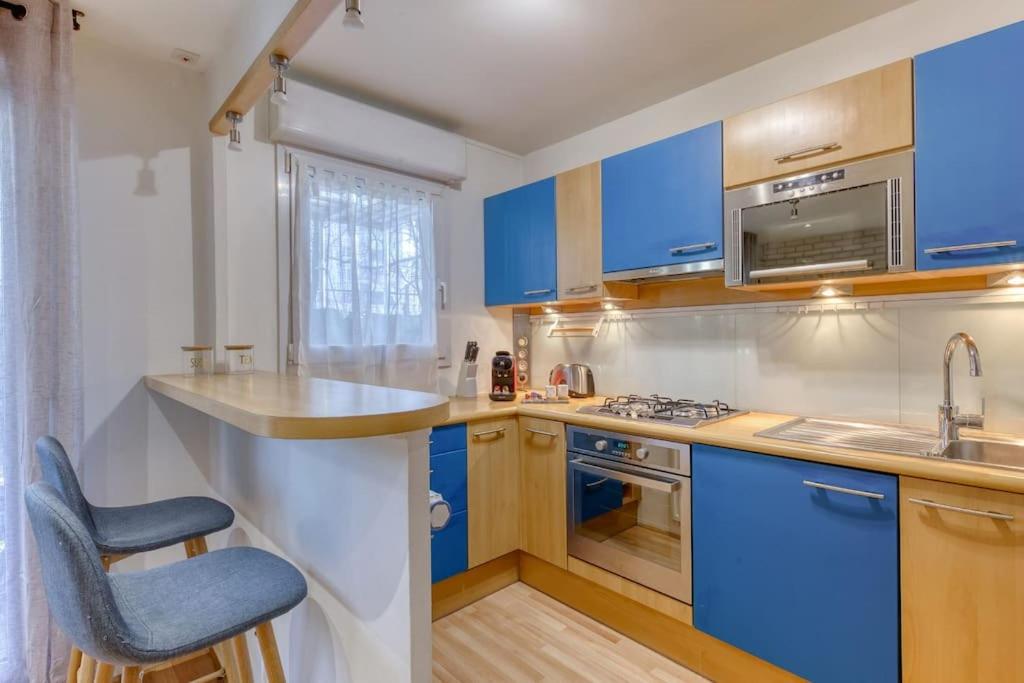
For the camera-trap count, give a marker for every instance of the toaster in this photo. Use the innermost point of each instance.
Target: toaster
(577, 376)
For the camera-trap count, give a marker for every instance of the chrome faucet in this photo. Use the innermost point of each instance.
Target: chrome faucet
(950, 421)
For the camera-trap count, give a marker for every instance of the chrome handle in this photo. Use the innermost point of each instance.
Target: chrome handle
(967, 511)
(596, 484)
(581, 289)
(971, 247)
(658, 483)
(828, 146)
(499, 430)
(834, 267)
(843, 489)
(541, 433)
(534, 292)
(689, 248)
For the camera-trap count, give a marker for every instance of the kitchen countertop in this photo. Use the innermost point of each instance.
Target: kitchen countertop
(288, 407)
(738, 433)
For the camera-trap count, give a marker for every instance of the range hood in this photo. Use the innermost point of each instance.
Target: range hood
(674, 271)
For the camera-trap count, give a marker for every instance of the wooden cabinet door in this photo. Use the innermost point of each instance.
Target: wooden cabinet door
(970, 169)
(493, 490)
(519, 245)
(962, 583)
(860, 116)
(578, 201)
(542, 483)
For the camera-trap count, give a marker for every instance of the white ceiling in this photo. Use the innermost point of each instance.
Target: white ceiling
(522, 74)
(153, 28)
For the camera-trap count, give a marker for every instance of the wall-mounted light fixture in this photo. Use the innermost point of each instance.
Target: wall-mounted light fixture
(353, 15)
(235, 135)
(279, 91)
(1014, 278)
(829, 291)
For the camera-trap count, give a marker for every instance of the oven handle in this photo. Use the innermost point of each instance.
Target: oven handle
(834, 267)
(657, 482)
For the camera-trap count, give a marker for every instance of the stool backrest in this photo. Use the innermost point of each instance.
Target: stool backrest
(77, 589)
(58, 473)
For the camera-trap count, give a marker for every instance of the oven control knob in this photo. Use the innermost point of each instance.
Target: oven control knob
(641, 454)
(600, 445)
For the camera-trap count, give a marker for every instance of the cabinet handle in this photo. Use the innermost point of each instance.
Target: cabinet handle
(843, 489)
(834, 267)
(535, 292)
(828, 146)
(581, 289)
(967, 511)
(499, 430)
(971, 247)
(540, 433)
(689, 248)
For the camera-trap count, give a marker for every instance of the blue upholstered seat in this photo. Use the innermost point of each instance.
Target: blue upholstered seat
(155, 615)
(134, 528)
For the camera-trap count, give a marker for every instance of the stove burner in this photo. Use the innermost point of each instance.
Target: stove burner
(683, 412)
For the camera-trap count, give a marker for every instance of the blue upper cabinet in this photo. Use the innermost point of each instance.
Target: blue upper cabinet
(662, 203)
(970, 167)
(519, 245)
(799, 575)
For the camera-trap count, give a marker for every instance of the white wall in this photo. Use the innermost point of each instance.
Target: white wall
(902, 33)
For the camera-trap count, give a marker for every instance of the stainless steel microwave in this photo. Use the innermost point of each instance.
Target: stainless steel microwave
(844, 222)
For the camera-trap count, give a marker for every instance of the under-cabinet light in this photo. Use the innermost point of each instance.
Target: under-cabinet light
(829, 291)
(1015, 278)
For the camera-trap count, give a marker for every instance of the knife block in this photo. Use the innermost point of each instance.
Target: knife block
(466, 386)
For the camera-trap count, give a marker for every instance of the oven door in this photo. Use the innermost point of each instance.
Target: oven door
(632, 521)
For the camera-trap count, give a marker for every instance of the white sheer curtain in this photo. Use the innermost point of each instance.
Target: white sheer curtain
(363, 277)
(40, 338)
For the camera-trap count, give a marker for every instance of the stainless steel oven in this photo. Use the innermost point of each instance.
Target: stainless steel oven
(844, 222)
(629, 508)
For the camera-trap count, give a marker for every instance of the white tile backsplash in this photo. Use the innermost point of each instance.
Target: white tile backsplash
(882, 363)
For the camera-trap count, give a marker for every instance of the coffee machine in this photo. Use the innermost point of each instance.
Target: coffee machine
(503, 377)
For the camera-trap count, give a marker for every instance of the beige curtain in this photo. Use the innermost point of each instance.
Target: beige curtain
(40, 338)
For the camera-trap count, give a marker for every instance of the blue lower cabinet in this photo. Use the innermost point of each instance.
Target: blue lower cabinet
(447, 438)
(448, 477)
(804, 577)
(449, 548)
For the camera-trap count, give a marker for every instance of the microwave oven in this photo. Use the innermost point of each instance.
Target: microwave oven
(840, 223)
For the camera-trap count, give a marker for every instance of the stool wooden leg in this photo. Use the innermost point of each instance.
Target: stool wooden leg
(87, 672)
(268, 649)
(243, 665)
(74, 662)
(130, 674)
(104, 673)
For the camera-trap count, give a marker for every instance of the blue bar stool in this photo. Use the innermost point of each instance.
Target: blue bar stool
(140, 619)
(119, 532)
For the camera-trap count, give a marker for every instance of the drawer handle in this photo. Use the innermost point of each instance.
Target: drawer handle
(827, 147)
(541, 433)
(690, 248)
(535, 292)
(842, 489)
(582, 289)
(499, 430)
(972, 247)
(967, 511)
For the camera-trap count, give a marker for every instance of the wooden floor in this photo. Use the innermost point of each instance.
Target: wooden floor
(520, 634)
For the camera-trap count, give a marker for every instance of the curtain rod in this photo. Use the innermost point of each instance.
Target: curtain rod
(19, 12)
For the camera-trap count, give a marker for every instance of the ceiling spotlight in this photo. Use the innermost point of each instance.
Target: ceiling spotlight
(353, 15)
(1014, 278)
(235, 136)
(830, 291)
(279, 92)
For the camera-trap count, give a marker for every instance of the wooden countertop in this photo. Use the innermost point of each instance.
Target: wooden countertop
(287, 407)
(738, 432)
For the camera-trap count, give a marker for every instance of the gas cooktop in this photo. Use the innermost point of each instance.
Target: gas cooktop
(663, 410)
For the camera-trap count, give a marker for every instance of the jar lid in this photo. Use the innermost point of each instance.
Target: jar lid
(237, 347)
(196, 348)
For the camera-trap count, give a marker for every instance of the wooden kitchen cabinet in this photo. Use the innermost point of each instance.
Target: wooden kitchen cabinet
(857, 117)
(962, 583)
(542, 486)
(493, 489)
(578, 201)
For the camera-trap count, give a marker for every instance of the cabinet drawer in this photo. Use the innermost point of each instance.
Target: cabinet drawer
(449, 550)
(860, 116)
(448, 477)
(447, 438)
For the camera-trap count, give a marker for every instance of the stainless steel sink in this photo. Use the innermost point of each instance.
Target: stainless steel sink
(1002, 453)
(865, 436)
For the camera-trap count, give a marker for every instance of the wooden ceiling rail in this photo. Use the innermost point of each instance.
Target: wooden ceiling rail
(302, 21)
